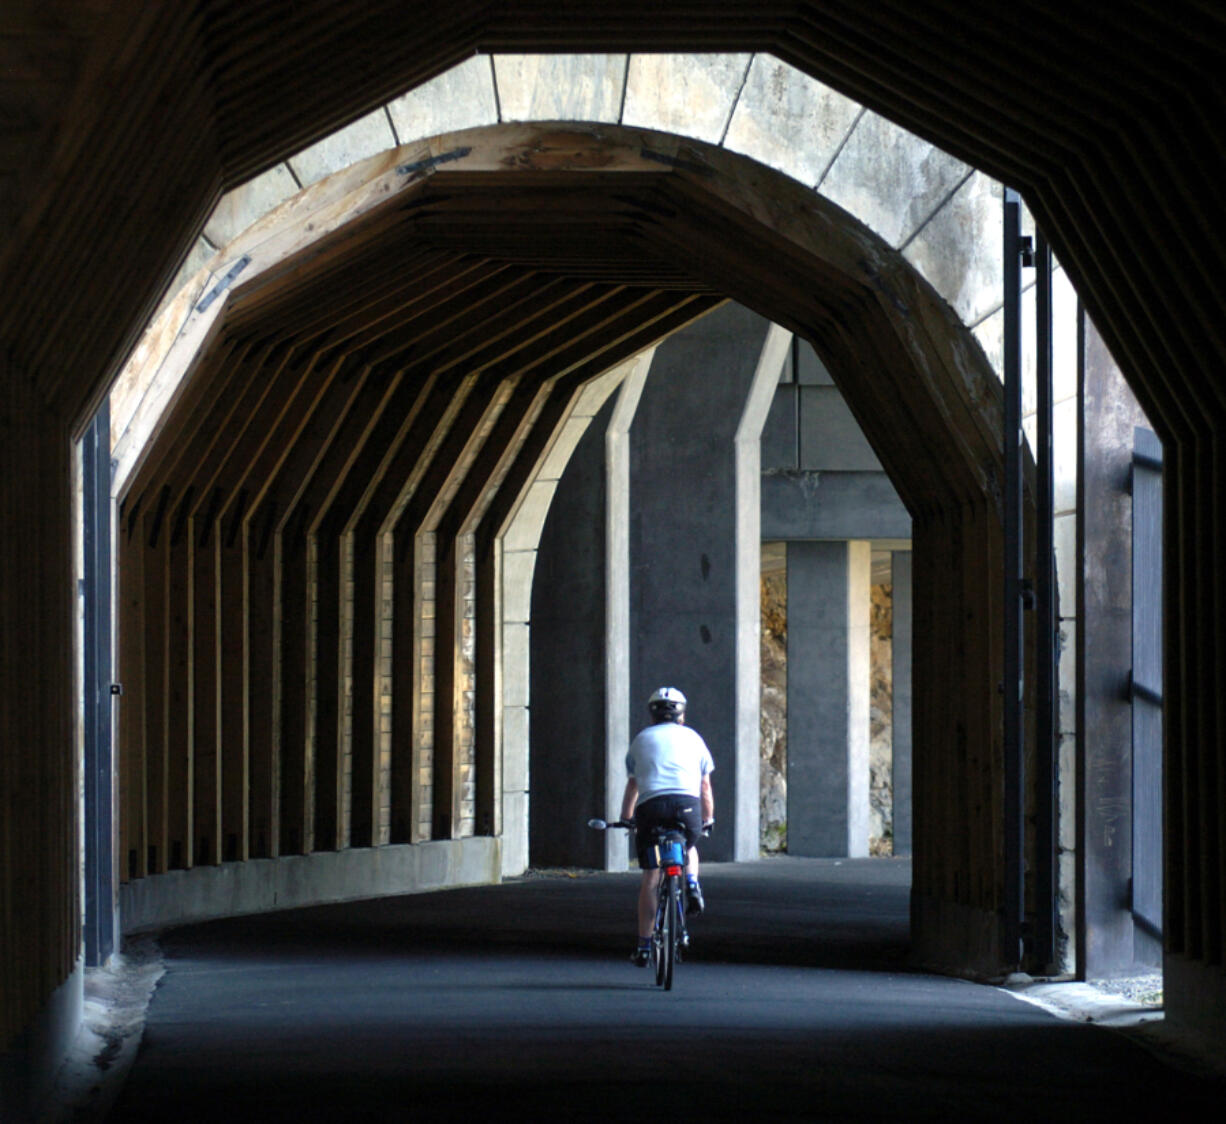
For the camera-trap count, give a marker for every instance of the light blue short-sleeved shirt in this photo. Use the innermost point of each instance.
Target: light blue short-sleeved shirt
(668, 758)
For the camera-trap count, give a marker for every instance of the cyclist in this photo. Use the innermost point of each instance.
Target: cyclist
(669, 780)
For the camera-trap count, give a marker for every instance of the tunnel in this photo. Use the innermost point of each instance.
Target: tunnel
(351, 437)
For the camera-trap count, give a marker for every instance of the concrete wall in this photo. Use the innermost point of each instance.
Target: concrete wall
(820, 477)
(683, 542)
(518, 548)
(679, 432)
(568, 700)
(828, 706)
(261, 885)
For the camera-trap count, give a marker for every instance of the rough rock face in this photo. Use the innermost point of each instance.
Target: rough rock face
(774, 713)
(881, 707)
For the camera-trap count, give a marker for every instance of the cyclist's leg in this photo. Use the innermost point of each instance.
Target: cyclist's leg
(693, 832)
(659, 938)
(646, 816)
(647, 901)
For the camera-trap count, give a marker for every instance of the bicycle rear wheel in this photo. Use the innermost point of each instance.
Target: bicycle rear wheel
(657, 936)
(668, 933)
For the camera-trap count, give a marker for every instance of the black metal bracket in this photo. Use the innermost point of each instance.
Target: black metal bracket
(230, 277)
(432, 161)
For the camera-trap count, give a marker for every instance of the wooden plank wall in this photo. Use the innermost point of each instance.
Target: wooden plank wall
(95, 180)
(308, 517)
(40, 927)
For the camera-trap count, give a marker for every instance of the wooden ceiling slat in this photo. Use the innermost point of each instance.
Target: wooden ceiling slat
(323, 304)
(205, 383)
(462, 327)
(465, 287)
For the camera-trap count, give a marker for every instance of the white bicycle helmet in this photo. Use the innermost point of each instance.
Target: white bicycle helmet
(666, 704)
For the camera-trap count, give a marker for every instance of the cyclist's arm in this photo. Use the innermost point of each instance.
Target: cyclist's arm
(630, 798)
(708, 800)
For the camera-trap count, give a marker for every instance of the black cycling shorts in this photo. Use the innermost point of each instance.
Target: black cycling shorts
(667, 810)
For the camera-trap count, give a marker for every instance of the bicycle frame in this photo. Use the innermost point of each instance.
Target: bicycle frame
(669, 934)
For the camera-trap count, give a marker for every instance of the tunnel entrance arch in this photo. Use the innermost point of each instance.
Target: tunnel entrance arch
(655, 229)
(216, 87)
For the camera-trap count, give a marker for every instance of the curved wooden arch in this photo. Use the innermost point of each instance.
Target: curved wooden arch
(423, 311)
(1110, 129)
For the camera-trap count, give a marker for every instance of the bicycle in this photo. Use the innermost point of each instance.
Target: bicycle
(669, 935)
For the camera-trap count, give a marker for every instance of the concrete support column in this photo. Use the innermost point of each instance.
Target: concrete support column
(901, 721)
(828, 704)
(554, 570)
(694, 545)
(617, 604)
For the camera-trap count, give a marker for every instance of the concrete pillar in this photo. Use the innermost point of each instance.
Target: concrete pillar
(828, 704)
(694, 541)
(568, 675)
(578, 594)
(901, 721)
(618, 719)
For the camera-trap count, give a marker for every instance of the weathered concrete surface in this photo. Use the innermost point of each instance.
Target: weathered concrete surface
(753, 104)
(829, 435)
(789, 121)
(820, 477)
(519, 564)
(618, 635)
(832, 505)
(1109, 941)
(747, 534)
(368, 135)
(457, 99)
(239, 208)
(259, 885)
(890, 179)
(829, 438)
(690, 94)
(958, 251)
(515, 1002)
(560, 87)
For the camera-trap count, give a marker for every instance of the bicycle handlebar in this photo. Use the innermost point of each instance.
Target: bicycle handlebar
(604, 825)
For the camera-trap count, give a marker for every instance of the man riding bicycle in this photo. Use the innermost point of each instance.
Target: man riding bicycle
(669, 782)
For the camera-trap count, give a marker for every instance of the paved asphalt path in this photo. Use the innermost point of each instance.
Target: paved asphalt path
(518, 1002)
